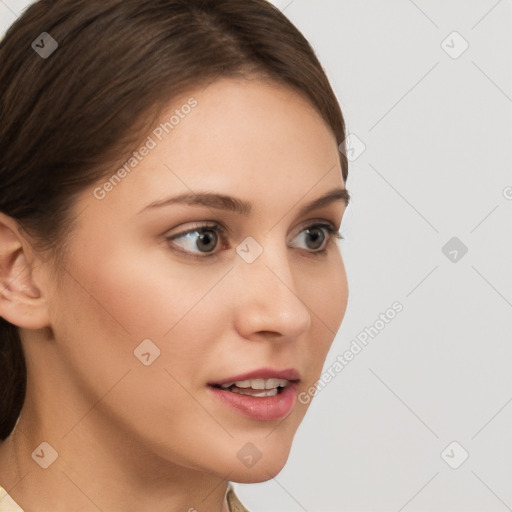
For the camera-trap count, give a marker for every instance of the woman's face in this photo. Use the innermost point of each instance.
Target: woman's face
(150, 312)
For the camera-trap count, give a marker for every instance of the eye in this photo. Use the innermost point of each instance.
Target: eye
(206, 242)
(315, 236)
(201, 242)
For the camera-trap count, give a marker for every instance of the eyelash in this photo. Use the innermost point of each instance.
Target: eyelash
(221, 231)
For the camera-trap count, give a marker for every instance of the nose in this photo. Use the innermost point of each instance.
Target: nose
(268, 303)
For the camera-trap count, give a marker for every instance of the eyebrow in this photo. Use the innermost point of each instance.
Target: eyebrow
(233, 204)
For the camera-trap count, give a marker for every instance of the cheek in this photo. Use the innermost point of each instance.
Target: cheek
(127, 297)
(325, 292)
(326, 295)
(108, 307)
(144, 292)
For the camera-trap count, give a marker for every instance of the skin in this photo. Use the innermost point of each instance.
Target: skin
(131, 437)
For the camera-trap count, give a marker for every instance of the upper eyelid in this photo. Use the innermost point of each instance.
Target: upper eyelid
(223, 229)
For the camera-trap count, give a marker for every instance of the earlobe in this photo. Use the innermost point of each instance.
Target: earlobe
(21, 301)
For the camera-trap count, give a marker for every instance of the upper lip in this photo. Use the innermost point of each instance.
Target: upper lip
(262, 373)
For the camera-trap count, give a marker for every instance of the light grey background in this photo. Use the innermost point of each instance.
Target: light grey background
(437, 133)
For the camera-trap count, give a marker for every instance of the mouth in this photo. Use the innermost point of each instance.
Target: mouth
(255, 387)
(263, 394)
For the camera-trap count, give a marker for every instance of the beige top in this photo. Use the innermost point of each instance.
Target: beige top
(7, 504)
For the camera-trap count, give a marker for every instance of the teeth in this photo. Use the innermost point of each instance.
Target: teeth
(271, 392)
(257, 384)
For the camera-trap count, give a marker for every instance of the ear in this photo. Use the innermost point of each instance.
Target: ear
(21, 301)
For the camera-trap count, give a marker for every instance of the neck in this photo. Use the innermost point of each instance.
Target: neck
(94, 471)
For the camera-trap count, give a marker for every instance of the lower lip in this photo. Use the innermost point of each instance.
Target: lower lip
(264, 408)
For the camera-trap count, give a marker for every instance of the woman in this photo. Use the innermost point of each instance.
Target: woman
(140, 369)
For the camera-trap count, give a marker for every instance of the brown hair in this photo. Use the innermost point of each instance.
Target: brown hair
(67, 118)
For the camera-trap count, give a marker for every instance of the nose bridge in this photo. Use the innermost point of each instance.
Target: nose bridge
(269, 300)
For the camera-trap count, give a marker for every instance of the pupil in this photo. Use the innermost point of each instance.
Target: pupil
(206, 238)
(317, 234)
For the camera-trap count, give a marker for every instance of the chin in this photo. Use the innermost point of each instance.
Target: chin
(266, 468)
(256, 474)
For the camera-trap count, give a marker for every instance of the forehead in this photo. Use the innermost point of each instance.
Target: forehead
(236, 136)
